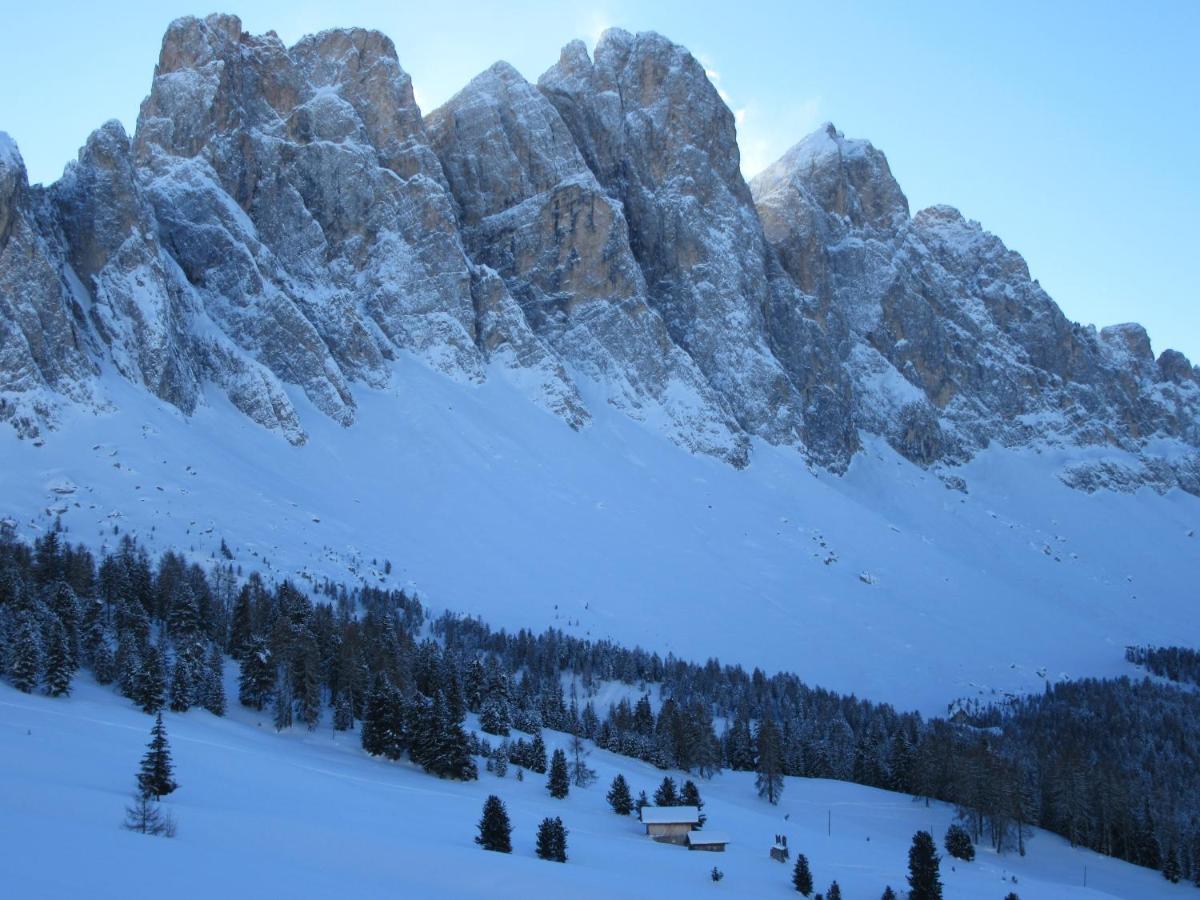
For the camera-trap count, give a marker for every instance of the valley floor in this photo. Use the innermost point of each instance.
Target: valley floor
(304, 814)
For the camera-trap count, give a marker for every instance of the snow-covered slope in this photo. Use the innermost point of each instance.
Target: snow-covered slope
(882, 581)
(309, 815)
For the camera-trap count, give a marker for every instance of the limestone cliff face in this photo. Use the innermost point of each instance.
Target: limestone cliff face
(660, 140)
(286, 216)
(532, 210)
(984, 354)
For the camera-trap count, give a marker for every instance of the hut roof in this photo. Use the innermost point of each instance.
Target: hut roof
(700, 838)
(670, 815)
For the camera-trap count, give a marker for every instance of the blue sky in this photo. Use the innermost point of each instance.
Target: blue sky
(1071, 130)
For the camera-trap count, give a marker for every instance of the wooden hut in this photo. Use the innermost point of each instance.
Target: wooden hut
(711, 841)
(670, 824)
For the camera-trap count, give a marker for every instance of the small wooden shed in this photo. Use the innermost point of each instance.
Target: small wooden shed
(670, 824)
(711, 841)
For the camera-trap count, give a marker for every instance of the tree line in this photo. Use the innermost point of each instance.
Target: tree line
(1114, 765)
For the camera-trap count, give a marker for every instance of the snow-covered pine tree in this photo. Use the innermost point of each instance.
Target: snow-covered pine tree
(619, 797)
(156, 777)
(495, 830)
(666, 795)
(343, 712)
(149, 680)
(924, 879)
(552, 840)
(559, 782)
(256, 681)
(25, 653)
(59, 667)
(181, 685)
(281, 707)
(214, 682)
(958, 843)
(802, 879)
(537, 755)
(769, 765)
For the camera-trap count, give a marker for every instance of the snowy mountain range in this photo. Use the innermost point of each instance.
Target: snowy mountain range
(287, 217)
(546, 350)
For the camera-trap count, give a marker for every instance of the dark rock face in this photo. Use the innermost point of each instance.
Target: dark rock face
(288, 216)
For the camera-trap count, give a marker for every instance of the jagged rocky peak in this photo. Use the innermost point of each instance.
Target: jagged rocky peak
(532, 210)
(948, 307)
(849, 178)
(660, 140)
(287, 216)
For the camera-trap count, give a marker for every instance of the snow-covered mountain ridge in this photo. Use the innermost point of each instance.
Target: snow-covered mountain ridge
(286, 217)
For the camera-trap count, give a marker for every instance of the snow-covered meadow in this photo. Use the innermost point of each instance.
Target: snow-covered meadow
(305, 814)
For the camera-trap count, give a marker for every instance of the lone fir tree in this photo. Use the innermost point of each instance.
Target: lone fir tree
(495, 830)
(552, 840)
(156, 776)
(618, 796)
(802, 876)
(924, 879)
(559, 782)
(889, 894)
(666, 794)
(834, 892)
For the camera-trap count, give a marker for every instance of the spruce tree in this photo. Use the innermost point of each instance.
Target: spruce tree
(834, 892)
(59, 667)
(689, 795)
(889, 894)
(559, 782)
(552, 840)
(769, 781)
(149, 681)
(281, 708)
(181, 685)
(495, 831)
(666, 795)
(537, 755)
(25, 654)
(256, 681)
(642, 802)
(156, 776)
(343, 712)
(958, 843)
(924, 879)
(801, 875)
(214, 682)
(618, 796)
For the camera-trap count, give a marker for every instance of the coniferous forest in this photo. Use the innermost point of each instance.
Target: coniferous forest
(1113, 765)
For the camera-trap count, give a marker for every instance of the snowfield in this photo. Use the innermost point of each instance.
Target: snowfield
(882, 582)
(310, 815)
